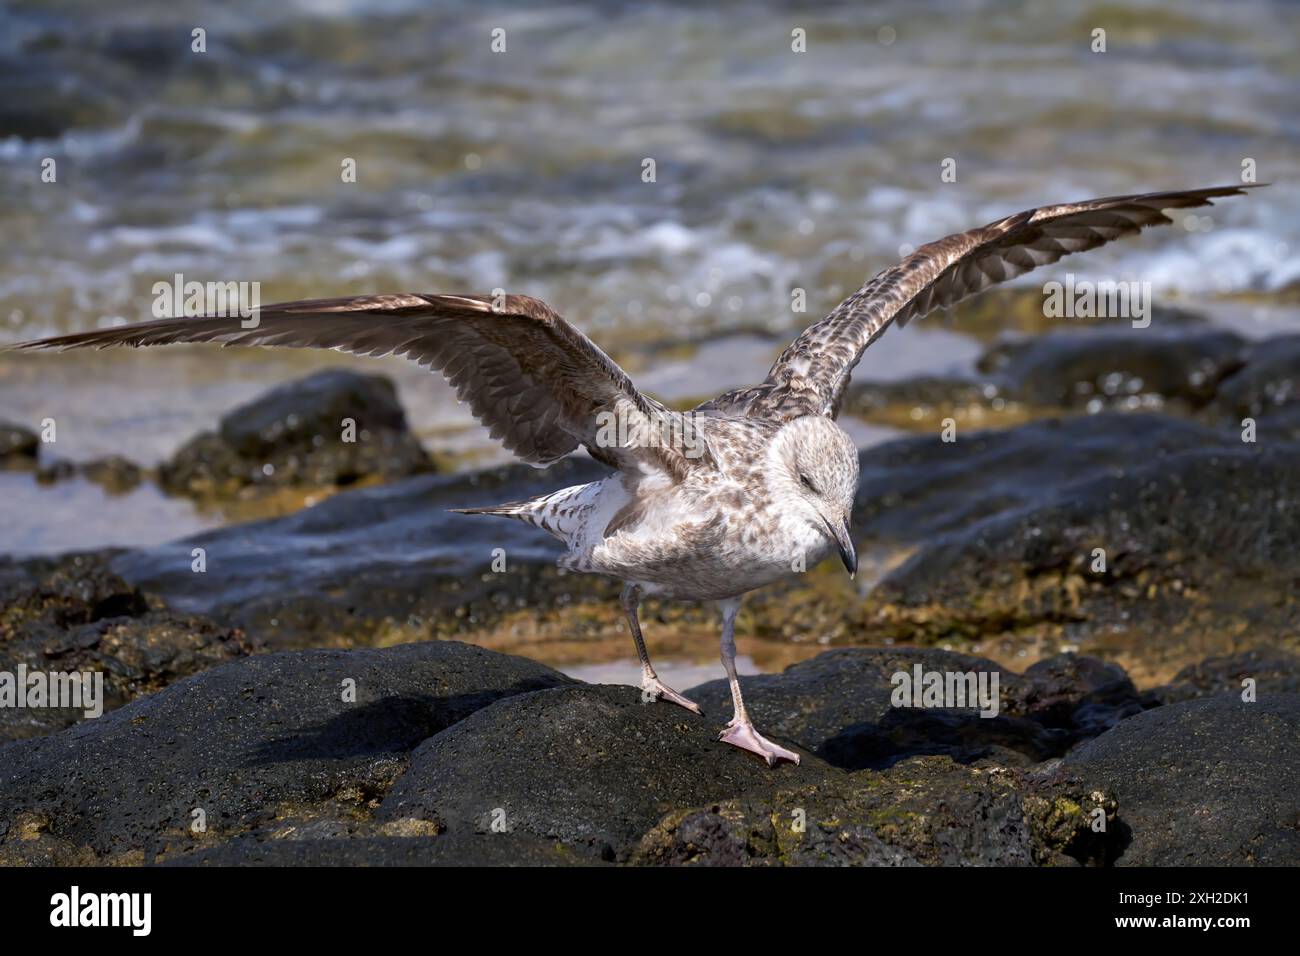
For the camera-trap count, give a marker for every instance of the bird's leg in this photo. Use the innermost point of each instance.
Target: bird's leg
(740, 732)
(652, 688)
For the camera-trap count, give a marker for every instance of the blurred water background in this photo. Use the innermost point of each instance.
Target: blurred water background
(523, 169)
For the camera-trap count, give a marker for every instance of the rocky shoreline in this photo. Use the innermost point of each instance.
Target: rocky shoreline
(1118, 556)
(451, 754)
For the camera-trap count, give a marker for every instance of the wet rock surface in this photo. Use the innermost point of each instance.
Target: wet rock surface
(376, 564)
(992, 538)
(75, 616)
(1153, 540)
(333, 428)
(452, 754)
(1101, 368)
(114, 474)
(989, 544)
(329, 430)
(1148, 540)
(1174, 367)
(498, 849)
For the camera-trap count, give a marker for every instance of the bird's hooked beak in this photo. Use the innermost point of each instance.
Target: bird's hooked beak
(844, 541)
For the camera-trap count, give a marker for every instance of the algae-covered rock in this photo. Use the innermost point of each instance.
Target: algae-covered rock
(115, 474)
(72, 615)
(924, 811)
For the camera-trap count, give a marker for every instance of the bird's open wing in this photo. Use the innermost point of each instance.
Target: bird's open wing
(541, 386)
(809, 377)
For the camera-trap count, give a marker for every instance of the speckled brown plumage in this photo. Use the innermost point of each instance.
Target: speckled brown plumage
(810, 376)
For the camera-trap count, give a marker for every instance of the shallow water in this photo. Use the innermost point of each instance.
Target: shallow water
(774, 171)
(676, 674)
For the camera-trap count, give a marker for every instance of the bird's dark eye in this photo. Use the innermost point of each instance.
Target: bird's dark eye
(807, 483)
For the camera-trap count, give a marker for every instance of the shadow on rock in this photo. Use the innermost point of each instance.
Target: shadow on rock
(841, 706)
(270, 738)
(392, 725)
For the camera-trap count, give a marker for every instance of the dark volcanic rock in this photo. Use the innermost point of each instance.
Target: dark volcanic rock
(1283, 423)
(1223, 512)
(924, 811)
(114, 474)
(1209, 782)
(1081, 694)
(49, 595)
(456, 755)
(592, 766)
(249, 743)
(376, 564)
(1269, 381)
(18, 446)
(839, 705)
(917, 489)
(298, 434)
(1195, 530)
(1062, 371)
(619, 780)
(1273, 672)
(1000, 526)
(48, 95)
(72, 615)
(135, 655)
(496, 849)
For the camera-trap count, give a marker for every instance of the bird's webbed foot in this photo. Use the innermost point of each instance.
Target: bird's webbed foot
(652, 688)
(741, 733)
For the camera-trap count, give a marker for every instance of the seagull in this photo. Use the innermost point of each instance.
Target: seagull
(701, 505)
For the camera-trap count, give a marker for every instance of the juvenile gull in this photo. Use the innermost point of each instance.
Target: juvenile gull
(704, 505)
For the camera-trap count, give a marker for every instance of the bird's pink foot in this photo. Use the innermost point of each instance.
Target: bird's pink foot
(741, 733)
(652, 688)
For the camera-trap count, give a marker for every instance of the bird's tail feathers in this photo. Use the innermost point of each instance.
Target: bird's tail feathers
(561, 513)
(509, 509)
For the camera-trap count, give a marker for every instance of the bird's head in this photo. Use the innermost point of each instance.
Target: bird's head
(817, 466)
